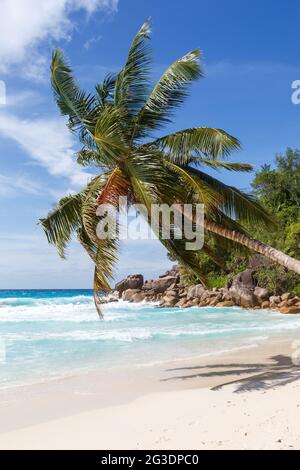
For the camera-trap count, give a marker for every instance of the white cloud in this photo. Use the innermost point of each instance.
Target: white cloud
(91, 5)
(91, 41)
(26, 25)
(47, 142)
(23, 98)
(13, 185)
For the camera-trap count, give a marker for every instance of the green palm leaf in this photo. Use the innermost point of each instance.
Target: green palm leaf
(108, 135)
(73, 102)
(188, 259)
(213, 254)
(168, 94)
(235, 203)
(220, 165)
(195, 190)
(89, 207)
(65, 219)
(86, 157)
(105, 90)
(131, 85)
(147, 176)
(203, 141)
(107, 256)
(104, 255)
(89, 246)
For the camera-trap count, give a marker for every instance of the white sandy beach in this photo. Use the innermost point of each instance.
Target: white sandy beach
(189, 419)
(249, 399)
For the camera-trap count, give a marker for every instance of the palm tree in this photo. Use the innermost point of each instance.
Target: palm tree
(117, 127)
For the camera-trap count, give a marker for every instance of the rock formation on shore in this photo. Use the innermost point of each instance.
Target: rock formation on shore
(168, 291)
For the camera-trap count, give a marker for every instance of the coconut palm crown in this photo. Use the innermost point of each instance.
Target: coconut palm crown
(120, 129)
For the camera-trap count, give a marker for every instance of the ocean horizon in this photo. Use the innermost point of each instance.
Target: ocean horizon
(51, 333)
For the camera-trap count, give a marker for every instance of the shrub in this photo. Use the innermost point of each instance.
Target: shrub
(217, 281)
(277, 280)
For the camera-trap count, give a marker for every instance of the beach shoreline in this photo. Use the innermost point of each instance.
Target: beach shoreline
(103, 400)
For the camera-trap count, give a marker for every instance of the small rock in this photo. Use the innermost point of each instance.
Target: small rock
(286, 296)
(181, 303)
(134, 281)
(226, 303)
(195, 291)
(290, 310)
(282, 304)
(159, 286)
(138, 297)
(129, 293)
(190, 303)
(274, 301)
(261, 293)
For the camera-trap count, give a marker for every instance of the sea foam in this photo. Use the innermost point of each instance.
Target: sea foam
(51, 333)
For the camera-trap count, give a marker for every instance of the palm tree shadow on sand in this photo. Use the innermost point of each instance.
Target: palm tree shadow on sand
(266, 376)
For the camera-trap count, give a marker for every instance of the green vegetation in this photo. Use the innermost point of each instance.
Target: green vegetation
(277, 280)
(278, 190)
(216, 281)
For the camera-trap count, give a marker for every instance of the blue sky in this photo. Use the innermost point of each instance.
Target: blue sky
(250, 57)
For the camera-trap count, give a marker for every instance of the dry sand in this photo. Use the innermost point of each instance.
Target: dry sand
(248, 399)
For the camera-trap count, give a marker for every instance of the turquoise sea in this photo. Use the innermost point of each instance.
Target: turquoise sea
(52, 333)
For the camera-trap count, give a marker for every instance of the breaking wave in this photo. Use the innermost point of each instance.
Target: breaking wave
(45, 333)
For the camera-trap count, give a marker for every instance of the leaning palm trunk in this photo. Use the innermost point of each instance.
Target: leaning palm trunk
(277, 256)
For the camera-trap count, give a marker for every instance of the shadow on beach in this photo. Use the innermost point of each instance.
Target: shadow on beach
(247, 377)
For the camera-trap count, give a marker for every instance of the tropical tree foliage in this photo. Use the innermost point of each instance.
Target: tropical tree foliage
(120, 129)
(278, 189)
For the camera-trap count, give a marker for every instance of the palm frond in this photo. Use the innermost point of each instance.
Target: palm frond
(131, 85)
(89, 246)
(108, 135)
(235, 204)
(195, 190)
(89, 207)
(107, 256)
(71, 100)
(221, 165)
(188, 259)
(213, 254)
(63, 221)
(102, 272)
(168, 94)
(105, 90)
(106, 259)
(104, 255)
(151, 182)
(87, 157)
(203, 141)
(142, 191)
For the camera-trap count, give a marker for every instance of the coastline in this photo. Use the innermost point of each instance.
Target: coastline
(240, 291)
(53, 414)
